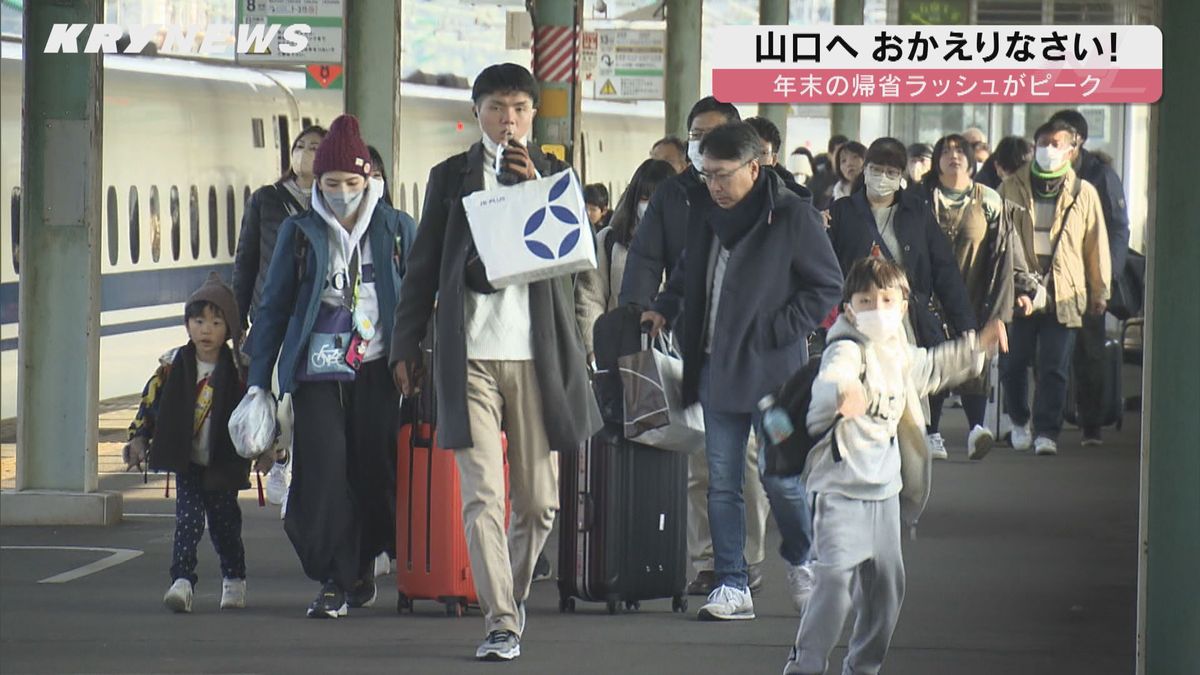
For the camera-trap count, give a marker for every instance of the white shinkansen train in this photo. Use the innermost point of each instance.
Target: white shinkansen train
(185, 143)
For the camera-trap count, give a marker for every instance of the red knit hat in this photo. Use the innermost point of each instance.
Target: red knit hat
(343, 149)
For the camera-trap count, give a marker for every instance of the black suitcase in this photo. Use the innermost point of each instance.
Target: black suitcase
(1112, 399)
(622, 524)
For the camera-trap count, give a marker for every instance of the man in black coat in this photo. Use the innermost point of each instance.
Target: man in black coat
(511, 359)
(1089, 356)
(757, 277)
(771, 141)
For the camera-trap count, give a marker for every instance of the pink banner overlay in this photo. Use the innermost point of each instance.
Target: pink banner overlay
(906, 85)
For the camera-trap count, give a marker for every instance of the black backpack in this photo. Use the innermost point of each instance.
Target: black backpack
(794, 398)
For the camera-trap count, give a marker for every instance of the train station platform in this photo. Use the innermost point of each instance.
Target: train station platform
(1022, 564)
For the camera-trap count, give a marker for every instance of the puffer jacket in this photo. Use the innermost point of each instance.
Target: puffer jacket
(268, 207)
(1082, 267)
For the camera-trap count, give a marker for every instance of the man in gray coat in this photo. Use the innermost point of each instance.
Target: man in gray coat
(756, 278)
(510, 359)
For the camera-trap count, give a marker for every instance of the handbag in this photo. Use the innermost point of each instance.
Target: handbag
(328, 343)
(652, 380)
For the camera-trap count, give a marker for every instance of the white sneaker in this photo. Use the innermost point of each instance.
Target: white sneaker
(979, 442)
(937, 446)
(383, 564)
(233, 594)
(800, 585)
(727, 603)
(179, 597)
(1022, 437)
(1045, 446)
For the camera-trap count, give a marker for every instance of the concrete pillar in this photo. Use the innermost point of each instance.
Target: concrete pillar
(553, 22)
(682, 85)
(844, 117)
(1169, 615)
(372, 91)
(775, 13)
(58, 358)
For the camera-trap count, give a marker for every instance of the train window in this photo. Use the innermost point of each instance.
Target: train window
(213, 232)
(284, 145)
(155, 226)
(305, 122)
(256, 128)
(111, 235)
(194, 221)
(135, 226)
(245, 195)
(175, 234)
(14, 206)
(230, 219)
(402, 193)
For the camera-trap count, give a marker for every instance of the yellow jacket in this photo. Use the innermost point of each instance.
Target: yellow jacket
(1081, 268)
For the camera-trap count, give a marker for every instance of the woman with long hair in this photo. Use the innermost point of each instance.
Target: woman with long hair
(596, 291)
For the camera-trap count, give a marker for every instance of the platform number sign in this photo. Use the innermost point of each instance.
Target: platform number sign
(325, 18)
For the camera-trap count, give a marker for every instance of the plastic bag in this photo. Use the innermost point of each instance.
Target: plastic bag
(252, 424)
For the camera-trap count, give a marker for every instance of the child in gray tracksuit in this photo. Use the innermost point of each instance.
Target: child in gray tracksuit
(873, 471)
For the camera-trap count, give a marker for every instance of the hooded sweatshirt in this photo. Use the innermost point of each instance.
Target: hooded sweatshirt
(342, 245)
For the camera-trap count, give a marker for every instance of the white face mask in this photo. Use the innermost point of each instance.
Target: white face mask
(343, 203)
(879, 185)
(302, 161)
(641, 209)
(1050, 158)
(880, 325)
(694, 155)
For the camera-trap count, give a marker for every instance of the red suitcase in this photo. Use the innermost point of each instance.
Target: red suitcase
(431, 547)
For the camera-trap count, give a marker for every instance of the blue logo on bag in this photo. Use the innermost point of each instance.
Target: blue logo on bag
(557, 213)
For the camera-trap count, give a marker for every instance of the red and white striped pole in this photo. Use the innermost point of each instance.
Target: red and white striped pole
(555, 66)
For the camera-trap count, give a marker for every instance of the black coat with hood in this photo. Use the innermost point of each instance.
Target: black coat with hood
(268, 207)
(939, 295)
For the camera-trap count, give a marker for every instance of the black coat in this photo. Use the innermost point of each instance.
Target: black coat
(1092, 168)
(268, 207)
(928, 259)
(437, 270)
(659, 239)
(781, 280)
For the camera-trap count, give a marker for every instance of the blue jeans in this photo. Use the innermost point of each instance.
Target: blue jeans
(1051, 342)
(725, 436)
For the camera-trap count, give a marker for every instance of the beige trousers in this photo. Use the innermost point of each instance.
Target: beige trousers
(505, 395)
(699, 539)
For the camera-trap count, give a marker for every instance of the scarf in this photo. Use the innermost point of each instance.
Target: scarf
(1047, 185)
(730, 225)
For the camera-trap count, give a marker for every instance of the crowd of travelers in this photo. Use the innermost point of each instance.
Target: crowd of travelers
(904, 268)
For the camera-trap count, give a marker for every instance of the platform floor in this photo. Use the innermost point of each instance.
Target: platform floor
(1024, 565)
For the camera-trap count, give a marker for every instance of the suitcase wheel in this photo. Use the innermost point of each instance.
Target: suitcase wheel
(403, 603)
(679, 604)
(455, 608)
(612, 606)
(566, 605)
(632, 605)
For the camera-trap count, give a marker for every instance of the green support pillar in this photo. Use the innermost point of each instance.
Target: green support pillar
(372, 91)
(555, 126)
(844, 117)
(1169, 593)
(58, 359)
(775, 13)
(684, 37)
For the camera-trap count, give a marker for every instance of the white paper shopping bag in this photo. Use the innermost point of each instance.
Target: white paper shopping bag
(532, 231)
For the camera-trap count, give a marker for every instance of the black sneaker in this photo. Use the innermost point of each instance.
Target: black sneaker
(541, 569)
(500, 645)
(703, 583)
(363, 594)
(1091, 437)
(330, 603)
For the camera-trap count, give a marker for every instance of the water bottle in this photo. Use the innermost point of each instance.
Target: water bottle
(504, 175)
(776, 423)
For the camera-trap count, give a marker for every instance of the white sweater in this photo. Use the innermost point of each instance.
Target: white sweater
(895, 376)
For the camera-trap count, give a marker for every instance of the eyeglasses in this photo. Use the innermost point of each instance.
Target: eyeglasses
(722, 177)
(890, 172)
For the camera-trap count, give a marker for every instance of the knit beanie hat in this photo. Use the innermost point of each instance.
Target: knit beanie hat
(217, 292)
(343, 149)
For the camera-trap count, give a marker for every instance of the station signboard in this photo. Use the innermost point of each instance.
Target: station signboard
(630, 64)
(326, 18)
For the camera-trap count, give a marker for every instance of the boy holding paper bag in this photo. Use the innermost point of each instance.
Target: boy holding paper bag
(509, 358)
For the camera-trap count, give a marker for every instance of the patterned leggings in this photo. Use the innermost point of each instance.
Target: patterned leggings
(192, 504)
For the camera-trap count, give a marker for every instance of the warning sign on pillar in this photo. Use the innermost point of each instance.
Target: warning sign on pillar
(327, 76)
(630, 64)
(554, 54)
